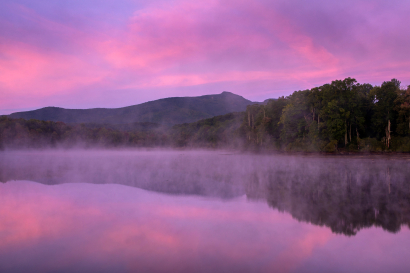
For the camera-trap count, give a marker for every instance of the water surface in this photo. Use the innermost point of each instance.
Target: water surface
(196, 211)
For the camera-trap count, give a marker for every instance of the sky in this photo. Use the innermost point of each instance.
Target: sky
(106, 53)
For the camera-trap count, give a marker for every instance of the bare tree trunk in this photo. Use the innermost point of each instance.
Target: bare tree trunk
(385, 139)
(388, 131)
(357, 137)
(249, 118)
(253, 121)
(388, 134)
(345, 134)
(350, 133)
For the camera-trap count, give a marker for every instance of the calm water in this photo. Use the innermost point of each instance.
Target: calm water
(179, 211)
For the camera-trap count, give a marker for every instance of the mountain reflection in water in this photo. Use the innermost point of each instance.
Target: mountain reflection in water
(345, 194)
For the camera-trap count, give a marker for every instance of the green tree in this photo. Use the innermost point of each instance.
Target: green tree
(402, 106)
(384, 98)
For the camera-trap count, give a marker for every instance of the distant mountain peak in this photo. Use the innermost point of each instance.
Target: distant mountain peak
(230, 94)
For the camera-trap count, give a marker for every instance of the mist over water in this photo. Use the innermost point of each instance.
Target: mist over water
(203, 211)
(178, 172)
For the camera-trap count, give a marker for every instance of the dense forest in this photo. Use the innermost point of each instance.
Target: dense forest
(341, 116)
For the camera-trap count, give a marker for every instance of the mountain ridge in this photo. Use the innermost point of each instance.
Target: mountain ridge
(166, 111)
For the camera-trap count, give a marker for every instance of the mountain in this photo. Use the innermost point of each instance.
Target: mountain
(168, 111)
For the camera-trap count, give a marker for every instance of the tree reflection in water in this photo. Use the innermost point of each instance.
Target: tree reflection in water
(345, 194)
(340, 192)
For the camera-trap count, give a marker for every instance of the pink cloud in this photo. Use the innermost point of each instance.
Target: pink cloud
(179, 48)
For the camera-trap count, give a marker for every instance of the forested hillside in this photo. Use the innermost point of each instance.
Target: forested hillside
(168, 111)
(219, 131)
(21, 133)
(341, 116)
(216, 132)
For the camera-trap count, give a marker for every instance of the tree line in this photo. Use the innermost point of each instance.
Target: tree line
(341, 116)
(21, 134)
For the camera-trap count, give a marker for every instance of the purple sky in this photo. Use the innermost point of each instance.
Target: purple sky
(105, 53)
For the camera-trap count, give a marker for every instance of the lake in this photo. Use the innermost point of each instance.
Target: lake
(202, 211)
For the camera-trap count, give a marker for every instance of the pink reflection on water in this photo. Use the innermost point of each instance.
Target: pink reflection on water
(84, 227)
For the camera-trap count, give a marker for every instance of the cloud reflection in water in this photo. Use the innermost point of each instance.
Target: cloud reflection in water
(110, 227)
(80, 227)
